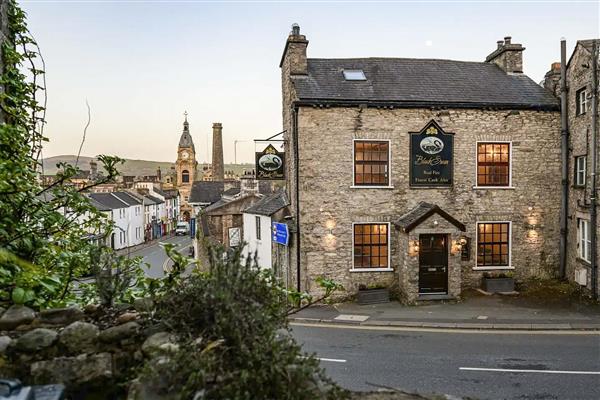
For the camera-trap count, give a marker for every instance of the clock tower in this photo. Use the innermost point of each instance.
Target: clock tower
(185, 167)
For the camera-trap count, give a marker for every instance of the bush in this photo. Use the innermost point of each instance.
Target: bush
(235, 343)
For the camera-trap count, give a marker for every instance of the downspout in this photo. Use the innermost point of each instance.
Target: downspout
(297, 191)
(564, 148)
(593, 214)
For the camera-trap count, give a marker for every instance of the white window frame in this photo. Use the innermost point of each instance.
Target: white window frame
(389, 238)
(582, 101)
(510, 164)
(584, 241)
(389, 185)
(579, 170)
(493, 267)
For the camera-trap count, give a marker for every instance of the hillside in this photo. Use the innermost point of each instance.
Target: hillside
(131, 167)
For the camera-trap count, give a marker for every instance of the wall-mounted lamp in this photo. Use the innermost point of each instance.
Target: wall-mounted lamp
(413, 247)
(462, 241)
(330, 225)
(435, 223)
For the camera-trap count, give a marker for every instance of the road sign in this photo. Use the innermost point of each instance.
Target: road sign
(280, 233)
(234, 237)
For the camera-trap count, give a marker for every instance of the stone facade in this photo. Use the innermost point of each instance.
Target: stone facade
(579, 77)
(329, 204)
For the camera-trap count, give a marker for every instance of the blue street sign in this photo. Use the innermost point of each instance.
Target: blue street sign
(280, 233)
(192, 227)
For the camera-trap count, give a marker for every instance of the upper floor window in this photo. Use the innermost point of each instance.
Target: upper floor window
(493, 164)
(371, 243)
(580, 170)
(371, 163)
(257, 227)
(185, 176)
(584, 242)
(493, 244)
(581, 101)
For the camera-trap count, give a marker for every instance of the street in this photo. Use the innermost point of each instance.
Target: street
(479, 365)
(156, 257)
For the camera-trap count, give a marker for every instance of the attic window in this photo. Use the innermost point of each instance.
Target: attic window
(354, 75)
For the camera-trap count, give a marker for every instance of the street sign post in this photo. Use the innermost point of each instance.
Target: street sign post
(280, 233)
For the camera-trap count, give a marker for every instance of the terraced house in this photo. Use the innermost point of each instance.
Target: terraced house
(419, 174)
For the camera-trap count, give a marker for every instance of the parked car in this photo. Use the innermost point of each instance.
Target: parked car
(182, 229)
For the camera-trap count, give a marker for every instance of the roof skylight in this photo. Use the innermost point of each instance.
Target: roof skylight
(354, 75)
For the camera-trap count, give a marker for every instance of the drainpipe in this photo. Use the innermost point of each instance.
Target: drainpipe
(593, 214)
(297, 191)
(564, 146)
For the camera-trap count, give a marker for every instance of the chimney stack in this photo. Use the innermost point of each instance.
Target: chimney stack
(552, 79)
(158, 173)
(293, 60)
(508, 56)
(218, 166)
(93, 168)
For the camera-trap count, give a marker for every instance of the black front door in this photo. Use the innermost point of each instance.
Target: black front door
(433, 264)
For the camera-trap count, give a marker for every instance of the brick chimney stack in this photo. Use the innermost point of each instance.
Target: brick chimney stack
(218, 167)
(508, 56)
(552, 79)
(293, 60)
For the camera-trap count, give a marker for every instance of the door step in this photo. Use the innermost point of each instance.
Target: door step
(430, 297)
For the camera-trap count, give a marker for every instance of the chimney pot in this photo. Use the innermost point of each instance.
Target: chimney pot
(555, 66)
(295, 29)
(507, 39)
(500, 43)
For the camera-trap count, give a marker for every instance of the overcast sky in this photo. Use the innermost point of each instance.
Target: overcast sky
(141, 64)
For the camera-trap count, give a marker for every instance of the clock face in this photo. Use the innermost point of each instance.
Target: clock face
(185, 155)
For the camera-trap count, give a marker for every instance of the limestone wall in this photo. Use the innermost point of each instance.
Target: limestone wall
(326, 195)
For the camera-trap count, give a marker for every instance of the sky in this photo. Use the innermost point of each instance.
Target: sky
(141, 64)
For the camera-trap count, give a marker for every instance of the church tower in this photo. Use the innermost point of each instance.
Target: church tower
(185, 167)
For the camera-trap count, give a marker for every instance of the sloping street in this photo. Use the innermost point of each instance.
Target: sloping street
(480, 365)
(156, 257)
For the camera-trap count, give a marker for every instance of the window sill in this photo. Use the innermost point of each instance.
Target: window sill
(583, 262)
(370, 187)
(494, 187)
(371, 270)
(490, 268)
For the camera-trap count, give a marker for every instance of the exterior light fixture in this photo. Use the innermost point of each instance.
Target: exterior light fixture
(413, 247)
(435, 222)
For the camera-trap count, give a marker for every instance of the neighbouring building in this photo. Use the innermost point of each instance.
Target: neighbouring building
(419, 174)
(579, 265)
(257, 220)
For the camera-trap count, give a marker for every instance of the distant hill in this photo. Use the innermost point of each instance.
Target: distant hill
(131, 167)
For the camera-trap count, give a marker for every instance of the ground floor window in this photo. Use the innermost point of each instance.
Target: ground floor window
(493, 244)
(371, 243)
(583, 240)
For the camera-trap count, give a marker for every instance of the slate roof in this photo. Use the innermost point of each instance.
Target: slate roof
(186, 139)
(156, 200)
(127, 198)
(408, 82)
(420, 213)
(171, 193)
(108, 200)
(206, 192)
(98, 206)
(232, 191)
(269, 205)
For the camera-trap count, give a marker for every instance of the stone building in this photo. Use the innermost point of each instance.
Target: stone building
(186, 168)
(420, 175)
(579, 112)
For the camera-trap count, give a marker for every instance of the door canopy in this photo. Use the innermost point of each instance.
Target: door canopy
(420, 213)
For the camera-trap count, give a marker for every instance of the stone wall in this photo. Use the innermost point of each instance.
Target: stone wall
(326, 165)
(580, 144)
(91, 352)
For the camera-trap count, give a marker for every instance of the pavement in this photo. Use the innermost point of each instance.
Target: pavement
(494, 312)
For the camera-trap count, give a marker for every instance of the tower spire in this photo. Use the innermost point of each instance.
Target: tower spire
(186, 125)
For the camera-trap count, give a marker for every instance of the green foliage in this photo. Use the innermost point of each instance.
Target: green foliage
(232, 325)
(44, 231)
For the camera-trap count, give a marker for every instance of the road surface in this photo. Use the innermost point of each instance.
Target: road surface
(156, 257)
(482, 365)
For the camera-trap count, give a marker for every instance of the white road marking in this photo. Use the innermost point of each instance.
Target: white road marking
(337, 360)
(482, 317)
(351, 317)
(535, 371)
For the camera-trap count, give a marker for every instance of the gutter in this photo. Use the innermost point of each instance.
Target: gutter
(593, 211)
(424, 104)
(564, 149)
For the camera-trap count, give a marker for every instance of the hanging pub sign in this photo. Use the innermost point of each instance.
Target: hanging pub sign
(270, 164)
(431, 157)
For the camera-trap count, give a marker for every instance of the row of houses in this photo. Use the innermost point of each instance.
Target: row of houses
(139, 215)
(426, 175)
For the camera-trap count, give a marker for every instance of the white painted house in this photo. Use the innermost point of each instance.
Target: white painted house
(126, 212)
(257, 221)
